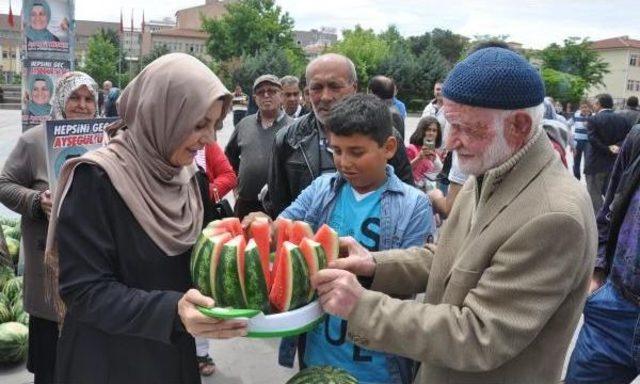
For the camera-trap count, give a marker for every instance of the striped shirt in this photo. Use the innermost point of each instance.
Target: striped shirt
(579, 124)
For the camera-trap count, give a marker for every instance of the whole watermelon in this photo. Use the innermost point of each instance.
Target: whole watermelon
(11, 222)
(14, 249)
(17, 309)
(14, 339)
(23, 318)
(13, 289)
(322, 375)
(6, 274)
(5, 313)
(12, 232)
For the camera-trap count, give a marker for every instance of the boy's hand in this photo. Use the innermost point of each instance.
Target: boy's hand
(339, 291)
(359, 260)
(250, 218)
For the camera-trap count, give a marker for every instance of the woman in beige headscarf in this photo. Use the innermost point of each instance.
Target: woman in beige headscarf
(24, 188)
(123, 223)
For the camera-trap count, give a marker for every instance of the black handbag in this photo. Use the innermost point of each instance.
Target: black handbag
(216, 209)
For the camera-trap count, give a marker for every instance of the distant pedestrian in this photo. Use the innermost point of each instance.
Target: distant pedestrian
(239, 105)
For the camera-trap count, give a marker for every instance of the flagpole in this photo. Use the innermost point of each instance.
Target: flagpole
(120, 52)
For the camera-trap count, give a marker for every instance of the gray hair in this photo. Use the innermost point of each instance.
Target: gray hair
(353, 75)
(290, 80)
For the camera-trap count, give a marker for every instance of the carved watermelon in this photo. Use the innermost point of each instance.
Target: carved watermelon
(260, 231)
(298, 231)
(290, 288)
(229, 288)
(322, 375)
(328, 239)
(256, 291)
(315, 259)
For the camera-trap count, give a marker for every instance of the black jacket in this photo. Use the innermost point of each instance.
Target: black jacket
(295, 162)
(604, 129)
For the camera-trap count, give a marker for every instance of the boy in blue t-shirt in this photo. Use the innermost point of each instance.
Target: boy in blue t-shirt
(364, 200)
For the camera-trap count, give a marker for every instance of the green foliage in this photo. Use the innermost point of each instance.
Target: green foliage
(110, 35)
(365, 49)
(248, 27)
(270, 60)
(564, 87)
(450, 45)
(577, 58)
(418, 44)
(101, 62)
(154, 54)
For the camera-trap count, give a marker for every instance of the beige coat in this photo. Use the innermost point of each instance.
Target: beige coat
(506, 286)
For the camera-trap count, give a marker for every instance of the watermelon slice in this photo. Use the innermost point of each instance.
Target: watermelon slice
(260, 231)
(315, 258)
(282, 231)
(290, 287)
(228, 287)
(206, 263)
(328, 239)
(298, 231)
(252, 278)
(229, 224)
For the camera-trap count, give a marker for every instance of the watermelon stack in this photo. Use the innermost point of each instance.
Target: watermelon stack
(13, 319)
(236, 268)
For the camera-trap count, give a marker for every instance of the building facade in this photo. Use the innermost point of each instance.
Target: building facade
(10, 41)
(623, 56)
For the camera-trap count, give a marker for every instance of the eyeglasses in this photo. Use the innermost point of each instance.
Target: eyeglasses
(267, 92)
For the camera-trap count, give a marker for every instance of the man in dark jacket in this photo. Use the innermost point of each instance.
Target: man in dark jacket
(605, 347)
(631, 111)
(606, 131)
(301, 152)
(384, 88)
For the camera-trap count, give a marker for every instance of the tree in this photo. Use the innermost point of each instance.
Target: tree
(269, 60)
(419, 44)
(101, 62)
(248, 27)
(576, 58)
(563, 87)
(450, 45)
(156, 52)
(365, 49)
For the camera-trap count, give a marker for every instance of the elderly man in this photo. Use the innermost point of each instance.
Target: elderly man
(301, 152)
(506, 283)
(291, 94)
(249, 147)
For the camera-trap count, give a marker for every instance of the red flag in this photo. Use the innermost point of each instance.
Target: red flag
(10, 17)
(143, 21)
(121, 24)
(131, 20)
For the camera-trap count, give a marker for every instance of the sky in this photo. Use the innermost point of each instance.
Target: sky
(535, 24)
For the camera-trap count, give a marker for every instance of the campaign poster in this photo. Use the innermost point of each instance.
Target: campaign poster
(39, 80)
(67, 139)
(48, 25)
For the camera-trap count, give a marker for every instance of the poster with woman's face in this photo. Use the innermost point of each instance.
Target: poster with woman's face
(47, 25)
(38, 89)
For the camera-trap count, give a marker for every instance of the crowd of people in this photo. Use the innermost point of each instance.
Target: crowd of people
(479, 213)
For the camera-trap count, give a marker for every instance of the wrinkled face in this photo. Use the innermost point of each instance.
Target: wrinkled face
(203, 133)
(268, 97)
(431, 132)
(291, 94)
(40, 94)
(329, 82)
(80, 105)
(477, 137)
(361, 160)
(106, 87)
(38, 17)
(437, 91)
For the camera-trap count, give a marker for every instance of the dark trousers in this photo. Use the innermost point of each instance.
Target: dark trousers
(244, 207)
(237, 116)
(608, 347)
(43, 340)
(597, 188)
(578, 154)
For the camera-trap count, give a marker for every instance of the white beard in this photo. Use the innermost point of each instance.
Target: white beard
(497, 153)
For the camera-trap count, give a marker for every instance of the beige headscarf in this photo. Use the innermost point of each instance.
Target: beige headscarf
(160, 108)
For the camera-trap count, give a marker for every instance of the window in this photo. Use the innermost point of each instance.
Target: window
(633, 85)
(629, 85)
(634, 60)
(5, 54)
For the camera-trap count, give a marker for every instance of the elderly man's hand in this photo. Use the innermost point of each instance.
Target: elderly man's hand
(359, 260)
(339, 291)
(250, 218)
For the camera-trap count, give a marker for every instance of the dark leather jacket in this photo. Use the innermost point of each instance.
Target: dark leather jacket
(295, 162)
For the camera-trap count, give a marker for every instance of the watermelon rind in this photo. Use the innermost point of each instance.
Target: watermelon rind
(255, 283)
(323, 374)
(6, 274)
(300, 276)
(11, 222)
(13, 289)
(315, 260)
(14, 340)
(228, 290)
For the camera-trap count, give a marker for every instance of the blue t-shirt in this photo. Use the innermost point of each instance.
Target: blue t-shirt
(357, 216)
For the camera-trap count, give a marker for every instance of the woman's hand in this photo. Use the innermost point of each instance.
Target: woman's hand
(201, 325)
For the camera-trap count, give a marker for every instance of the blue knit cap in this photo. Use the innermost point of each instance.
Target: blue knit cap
(494, 78)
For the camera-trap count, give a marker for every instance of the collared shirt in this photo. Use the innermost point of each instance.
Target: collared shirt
(281, 115)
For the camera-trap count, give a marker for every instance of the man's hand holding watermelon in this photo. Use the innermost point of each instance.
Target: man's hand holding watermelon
(338, 287)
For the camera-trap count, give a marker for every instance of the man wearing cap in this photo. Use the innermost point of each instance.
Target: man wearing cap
(251, 143)
(505, 285)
